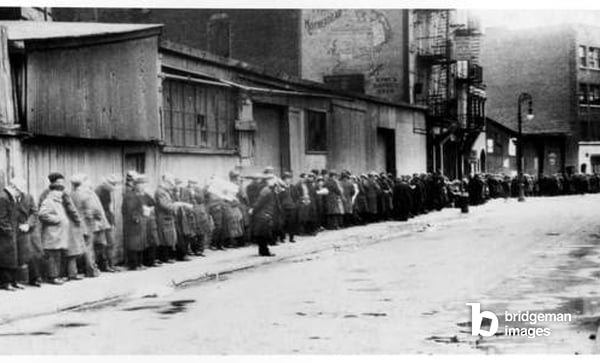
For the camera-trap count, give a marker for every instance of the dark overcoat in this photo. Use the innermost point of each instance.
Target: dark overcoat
(135, 224)
(9, 222)
(263, 213)
(29, 243)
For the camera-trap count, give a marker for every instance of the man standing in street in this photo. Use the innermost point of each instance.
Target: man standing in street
(31, 251)
(105, 193)
(262, 214)
(290, 200)
(9, 227)
(165, 210)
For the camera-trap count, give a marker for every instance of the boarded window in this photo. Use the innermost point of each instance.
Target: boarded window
(198, 116)
(346, 82)
(316, 131)
(219, 35)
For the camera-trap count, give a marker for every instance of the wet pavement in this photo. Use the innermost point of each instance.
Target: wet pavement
(404, 295)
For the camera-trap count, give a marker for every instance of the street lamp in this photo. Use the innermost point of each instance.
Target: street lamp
(522, 98)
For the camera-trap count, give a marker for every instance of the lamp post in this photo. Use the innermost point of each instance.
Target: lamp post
(522, 98)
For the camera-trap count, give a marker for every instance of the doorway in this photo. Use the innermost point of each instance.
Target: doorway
(386, 150)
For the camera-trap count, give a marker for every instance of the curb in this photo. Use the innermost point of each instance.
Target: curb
(203, 277)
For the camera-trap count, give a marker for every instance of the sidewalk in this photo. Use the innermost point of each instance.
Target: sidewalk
(112, 288)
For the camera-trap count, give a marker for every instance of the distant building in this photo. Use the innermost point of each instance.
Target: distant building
(449, 81)
(428, 57)
(26, 13)
(560, 67)
(107, 98)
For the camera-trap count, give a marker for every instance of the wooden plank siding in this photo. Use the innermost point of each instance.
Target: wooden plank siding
(7, 106)
(349, 136)
(105, 91)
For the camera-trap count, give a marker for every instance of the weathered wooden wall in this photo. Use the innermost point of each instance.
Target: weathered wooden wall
(105, 91)
(7, 108)
(96, 161)
(349, 137)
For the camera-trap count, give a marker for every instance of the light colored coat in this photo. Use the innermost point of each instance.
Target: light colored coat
(55, 223)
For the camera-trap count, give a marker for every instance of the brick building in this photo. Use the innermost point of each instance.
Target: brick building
(560, 67)
(426, 57)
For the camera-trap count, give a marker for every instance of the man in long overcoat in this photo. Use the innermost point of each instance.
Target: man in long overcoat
(334, 201)
(262, 214)
(105, 193)
(165, 211)
(31, 251)
(9, 227)
(402, 199)
(135, 222)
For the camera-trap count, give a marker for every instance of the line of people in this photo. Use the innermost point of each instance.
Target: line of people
(69, 235)
(64, 234)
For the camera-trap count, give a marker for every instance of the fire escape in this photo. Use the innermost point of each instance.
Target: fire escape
(450, 86)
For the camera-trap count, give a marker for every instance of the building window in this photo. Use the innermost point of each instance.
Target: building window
(316, 131)
(594, 94)
(583, 93)
(219, 35)
(594, 58)
(583, 55)
(198, 116)
(135, 161)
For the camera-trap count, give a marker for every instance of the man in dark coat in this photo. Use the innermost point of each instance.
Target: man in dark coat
(31, 251)
(9, 227)
(135, 225)
(402, 199)
(290, 200)
(372, 193)
(350, 191)
(262, 214)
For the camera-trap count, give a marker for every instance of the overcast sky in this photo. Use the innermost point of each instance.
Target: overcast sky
(534, 18)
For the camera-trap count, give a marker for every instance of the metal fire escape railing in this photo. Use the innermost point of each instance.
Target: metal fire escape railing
(433, 48)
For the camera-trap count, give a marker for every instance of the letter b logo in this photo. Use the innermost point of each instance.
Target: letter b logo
(477, 318)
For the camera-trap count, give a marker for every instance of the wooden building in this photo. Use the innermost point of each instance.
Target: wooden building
(106, 98)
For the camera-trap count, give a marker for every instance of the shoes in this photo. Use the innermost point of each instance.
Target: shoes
(292, 241)
(75, 278)
(185, 259)
(110, 270)
(16, 285)
(35, 284)
(7, 287)
(56, 281)
(270, 254)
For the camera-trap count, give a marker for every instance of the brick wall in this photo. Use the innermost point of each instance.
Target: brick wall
(357, 41)
(268, 38)
(539, 61)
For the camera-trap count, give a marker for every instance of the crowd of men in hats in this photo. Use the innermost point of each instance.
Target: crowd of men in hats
(69, 234)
